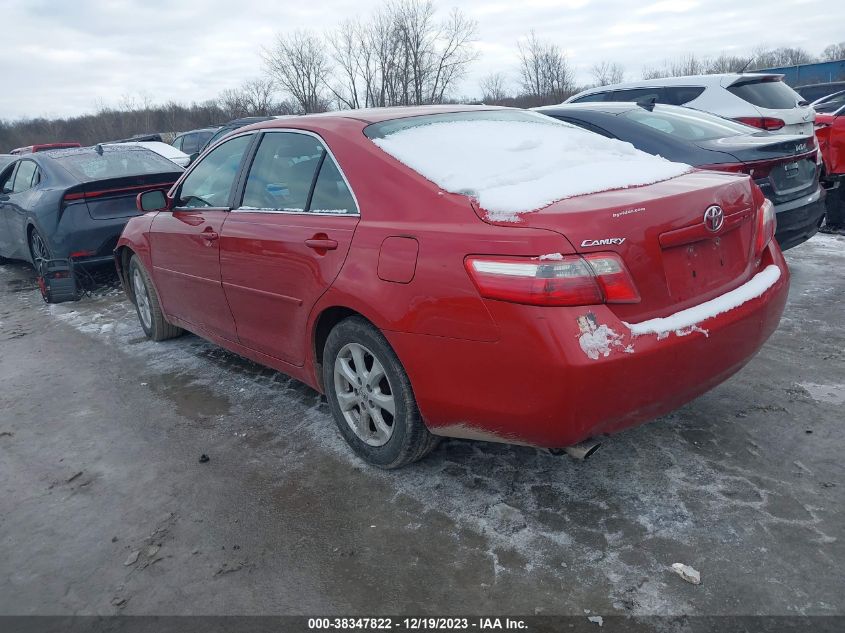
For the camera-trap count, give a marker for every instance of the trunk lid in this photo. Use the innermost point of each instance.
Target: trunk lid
(784, 166)
(659, 231)
(115, 197)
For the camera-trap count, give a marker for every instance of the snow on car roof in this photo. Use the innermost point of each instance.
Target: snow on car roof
(521, 161)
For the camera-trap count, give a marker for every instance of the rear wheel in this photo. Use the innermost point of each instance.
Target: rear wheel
(38, 248)
(147, 304)
(371, 398)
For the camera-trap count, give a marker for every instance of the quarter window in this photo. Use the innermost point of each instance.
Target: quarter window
(331, 195)
(679, 95)
(210, 183)
(598, 96)
(24, 176)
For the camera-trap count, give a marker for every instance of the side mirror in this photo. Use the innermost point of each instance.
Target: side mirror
(151, 201)
(193, 157)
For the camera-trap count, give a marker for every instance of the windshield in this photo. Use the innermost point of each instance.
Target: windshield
(88, 164)
(689, 125)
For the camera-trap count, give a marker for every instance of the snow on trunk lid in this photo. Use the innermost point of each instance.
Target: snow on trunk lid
(514, 162)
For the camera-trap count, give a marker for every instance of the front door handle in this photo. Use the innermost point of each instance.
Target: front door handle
(321, 244)
(210, 235)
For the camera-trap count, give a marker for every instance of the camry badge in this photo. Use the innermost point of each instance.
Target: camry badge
(714, 218)
(608, 241)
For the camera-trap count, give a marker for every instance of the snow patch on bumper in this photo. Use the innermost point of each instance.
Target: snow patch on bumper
(682, 321)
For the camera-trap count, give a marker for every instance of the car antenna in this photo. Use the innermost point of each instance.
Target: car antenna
(747, 64)
(647, 104)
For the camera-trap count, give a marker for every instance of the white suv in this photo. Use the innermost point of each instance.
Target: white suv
(757, 99)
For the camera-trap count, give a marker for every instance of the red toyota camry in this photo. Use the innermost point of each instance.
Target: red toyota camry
(461, 271)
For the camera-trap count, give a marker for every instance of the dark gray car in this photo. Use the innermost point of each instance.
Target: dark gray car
(74, 203)
(784, 166)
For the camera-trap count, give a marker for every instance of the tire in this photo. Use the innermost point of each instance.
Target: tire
(363, 417)
(38, 248)
(147, 305)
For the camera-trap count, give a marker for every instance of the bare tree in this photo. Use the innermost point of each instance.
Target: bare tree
(544, 71)
(834, 52)
(493, 88)
(725, 63)
(299, 64)
(259, 96)
(780, 57)
(605, 73)
(403, 55)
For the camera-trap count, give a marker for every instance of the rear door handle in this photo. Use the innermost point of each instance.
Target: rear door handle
(210, 235)
(321, 244)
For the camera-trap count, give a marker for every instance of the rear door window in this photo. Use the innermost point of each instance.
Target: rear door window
(774, 95)
(638, 94)
(679, 95)
(177, 143)
(24, 176)
(282, 175)
(210, 183)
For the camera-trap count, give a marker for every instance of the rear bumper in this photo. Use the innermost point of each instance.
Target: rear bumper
(539, 385)
(86, 240)
(798, 220)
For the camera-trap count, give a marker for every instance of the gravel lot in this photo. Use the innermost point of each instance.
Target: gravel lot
(101, 433)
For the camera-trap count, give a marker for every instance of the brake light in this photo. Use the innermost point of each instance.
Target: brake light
(572, 280)
(764, 122)
(766, 226)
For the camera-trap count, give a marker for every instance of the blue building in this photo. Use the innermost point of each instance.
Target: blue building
(804, 74)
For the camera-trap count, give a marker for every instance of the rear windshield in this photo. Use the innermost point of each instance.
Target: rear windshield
(114, 162)
(380, 130)
(774, 95)
(689, 125)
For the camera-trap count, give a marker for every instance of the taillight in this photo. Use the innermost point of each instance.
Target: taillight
(762, 122)
(766, 226)
(572, 280)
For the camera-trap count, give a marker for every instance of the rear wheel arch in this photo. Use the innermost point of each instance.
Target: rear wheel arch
(324, 323)
(124, 256)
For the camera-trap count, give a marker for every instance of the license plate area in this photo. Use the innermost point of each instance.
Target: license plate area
(698, 267)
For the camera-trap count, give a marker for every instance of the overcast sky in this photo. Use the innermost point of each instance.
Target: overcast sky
(64, 57)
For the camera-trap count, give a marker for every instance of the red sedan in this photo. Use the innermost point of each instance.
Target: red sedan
(463, 272)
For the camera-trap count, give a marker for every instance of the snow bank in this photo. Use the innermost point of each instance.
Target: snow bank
(513, 167)
(690, 317)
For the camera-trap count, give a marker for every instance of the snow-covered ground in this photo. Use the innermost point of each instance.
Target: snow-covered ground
(731, 484)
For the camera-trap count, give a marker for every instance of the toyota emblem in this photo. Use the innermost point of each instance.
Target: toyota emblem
(714, 218)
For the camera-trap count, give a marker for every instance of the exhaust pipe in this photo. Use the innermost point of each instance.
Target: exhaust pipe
(580, 451)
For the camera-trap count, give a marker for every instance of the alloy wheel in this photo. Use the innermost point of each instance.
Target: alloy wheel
(39, 248)
(364, 394)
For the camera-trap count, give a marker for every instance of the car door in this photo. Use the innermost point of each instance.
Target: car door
(185, 246)
(6, 181)
(283, 246)
(18, 206)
